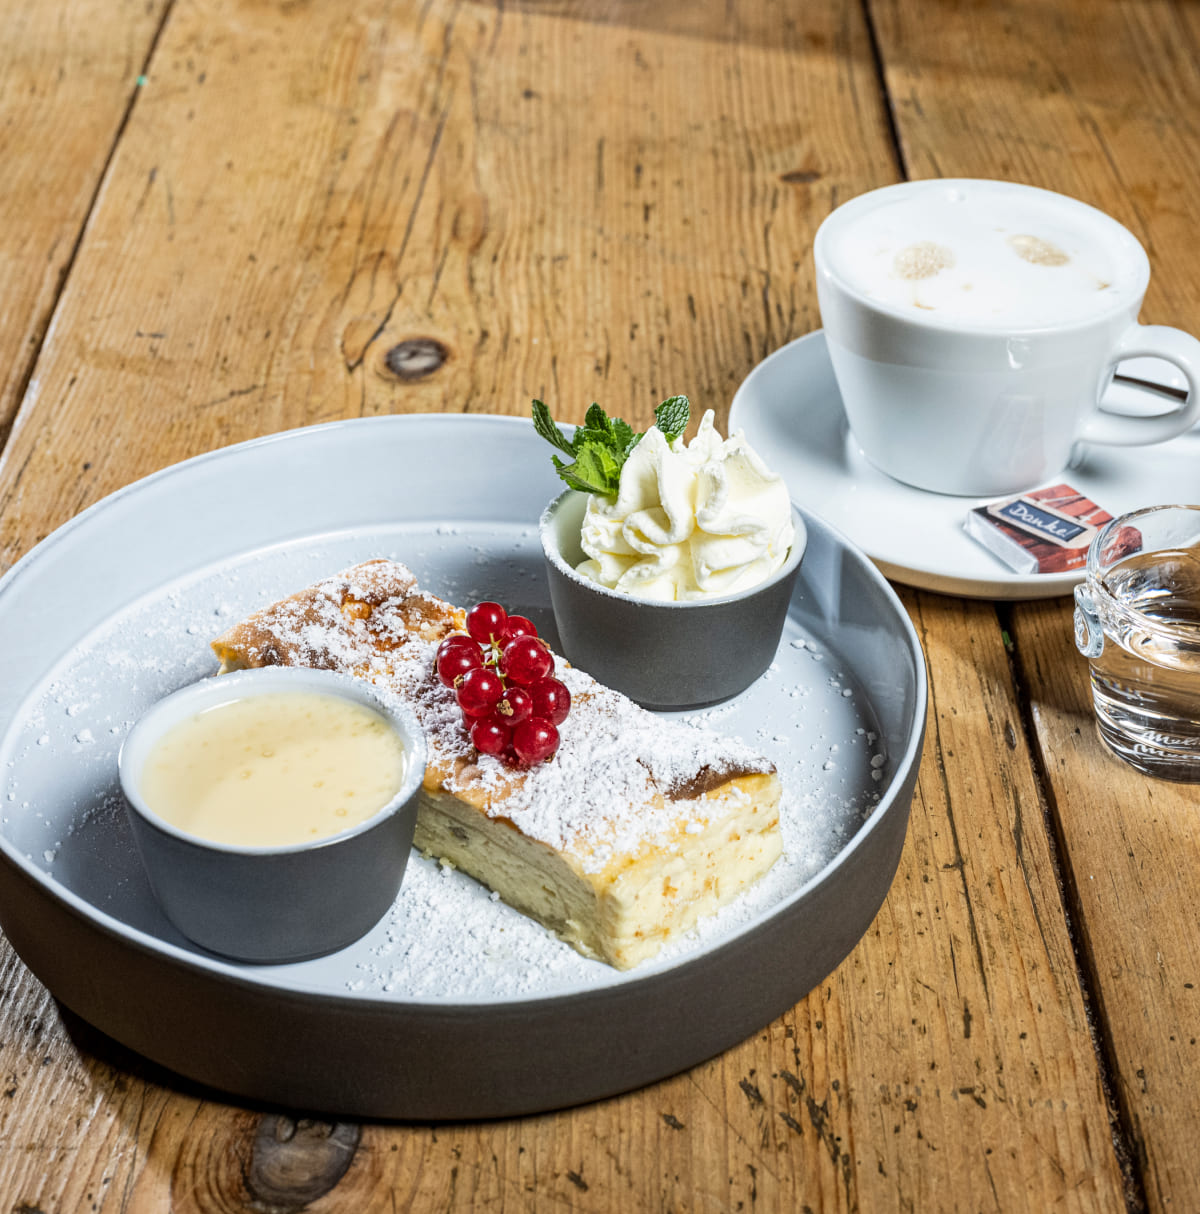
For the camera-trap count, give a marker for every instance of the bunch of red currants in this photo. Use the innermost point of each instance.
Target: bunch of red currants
(502, 674)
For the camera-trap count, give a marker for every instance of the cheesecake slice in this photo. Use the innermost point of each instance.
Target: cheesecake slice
(636, 828)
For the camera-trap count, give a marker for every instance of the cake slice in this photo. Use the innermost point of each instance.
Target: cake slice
(636, 828)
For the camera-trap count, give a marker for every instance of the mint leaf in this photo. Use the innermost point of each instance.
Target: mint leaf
(543, 423)
(600, 466)
(600, 447)
(671, 417)
(623, 433)
(596, 424)
(595, 471)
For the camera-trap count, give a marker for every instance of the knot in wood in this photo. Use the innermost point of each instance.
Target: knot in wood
(292, 1163)
(416, 357)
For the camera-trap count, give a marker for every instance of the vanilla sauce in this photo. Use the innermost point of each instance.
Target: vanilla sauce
(273, 770)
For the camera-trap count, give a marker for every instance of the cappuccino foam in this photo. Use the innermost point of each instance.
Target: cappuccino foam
(983, 256)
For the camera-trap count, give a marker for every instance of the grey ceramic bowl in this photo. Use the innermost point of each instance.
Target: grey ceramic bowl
(274, 904)
(663, 655)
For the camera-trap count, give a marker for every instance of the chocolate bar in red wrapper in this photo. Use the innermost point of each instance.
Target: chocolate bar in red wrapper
(1046, 531)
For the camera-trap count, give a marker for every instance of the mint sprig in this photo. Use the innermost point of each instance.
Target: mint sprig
(600, 447)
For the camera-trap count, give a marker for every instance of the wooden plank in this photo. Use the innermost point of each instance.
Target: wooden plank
(68, 73)
(1028, 91)
(577, 210)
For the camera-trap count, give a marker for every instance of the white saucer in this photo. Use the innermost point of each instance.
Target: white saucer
(792, 415)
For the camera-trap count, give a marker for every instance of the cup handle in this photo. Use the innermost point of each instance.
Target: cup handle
(1153, 341)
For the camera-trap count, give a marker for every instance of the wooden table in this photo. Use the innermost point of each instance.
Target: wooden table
(225, 219)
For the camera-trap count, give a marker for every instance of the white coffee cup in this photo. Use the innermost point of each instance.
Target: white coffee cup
(975, 325)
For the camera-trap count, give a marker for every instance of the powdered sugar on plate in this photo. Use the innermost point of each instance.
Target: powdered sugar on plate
(446, 938)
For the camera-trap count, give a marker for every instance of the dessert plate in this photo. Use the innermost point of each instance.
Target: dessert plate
(791, 412)
(453, 1005)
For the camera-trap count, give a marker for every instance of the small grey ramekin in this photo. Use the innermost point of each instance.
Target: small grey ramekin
(274, 904)
(663, 655)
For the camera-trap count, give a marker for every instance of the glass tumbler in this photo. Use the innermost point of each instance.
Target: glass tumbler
(1137, 620)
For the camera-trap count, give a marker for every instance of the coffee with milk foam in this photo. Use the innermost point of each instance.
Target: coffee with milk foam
(988, 258)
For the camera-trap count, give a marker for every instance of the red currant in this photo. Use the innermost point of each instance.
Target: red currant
(502, 676)
(489, 736)
(478, 691)
(551, 700)
(518, 626)
(526, 660)
(455, 656)
(514, 705)
(485, 621)
(534, 740)
(455, 639)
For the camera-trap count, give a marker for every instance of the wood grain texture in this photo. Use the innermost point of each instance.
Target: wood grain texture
(1133, 871)
(1097, 102)
(989, 1026)
(574, 210)
(68, 73)
(317, 212)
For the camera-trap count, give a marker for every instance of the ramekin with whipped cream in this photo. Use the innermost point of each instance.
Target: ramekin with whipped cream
(675, 590)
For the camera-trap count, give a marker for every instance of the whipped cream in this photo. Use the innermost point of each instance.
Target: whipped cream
(689, 521)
